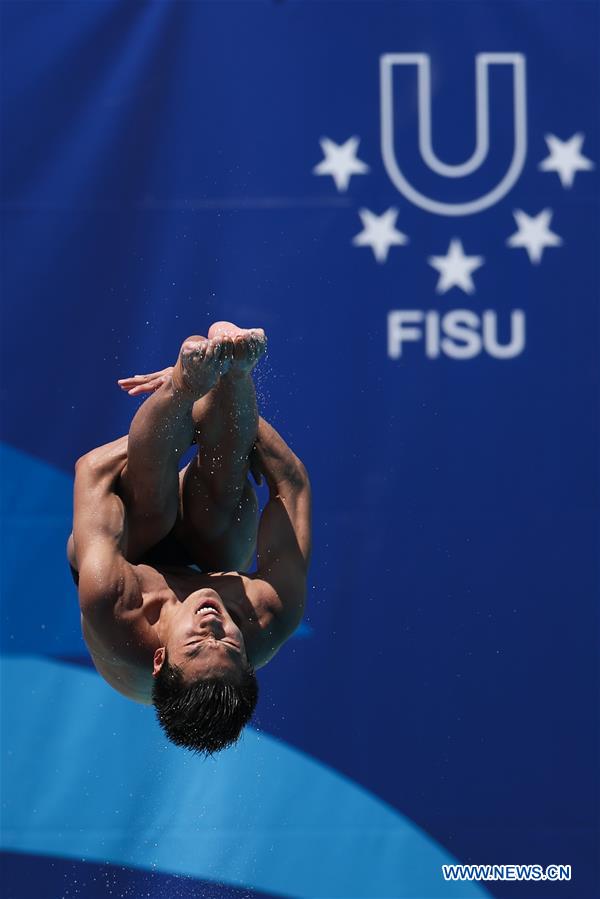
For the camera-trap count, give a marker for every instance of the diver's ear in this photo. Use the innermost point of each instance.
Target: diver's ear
(159, 658)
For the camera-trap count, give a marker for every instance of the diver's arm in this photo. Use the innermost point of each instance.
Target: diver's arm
(99, 530)
(284, 533)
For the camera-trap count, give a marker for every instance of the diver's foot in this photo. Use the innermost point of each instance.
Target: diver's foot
(200, 364)
(249, 345)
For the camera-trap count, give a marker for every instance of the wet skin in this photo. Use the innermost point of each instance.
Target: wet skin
(130, 497)
(203, 639)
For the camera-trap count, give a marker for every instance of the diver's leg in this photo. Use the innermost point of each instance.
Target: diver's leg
(218, 503)
(161, 430)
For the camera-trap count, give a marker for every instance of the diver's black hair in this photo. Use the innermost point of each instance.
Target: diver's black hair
(208, 714)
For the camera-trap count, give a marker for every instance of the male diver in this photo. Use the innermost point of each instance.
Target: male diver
(169, 612)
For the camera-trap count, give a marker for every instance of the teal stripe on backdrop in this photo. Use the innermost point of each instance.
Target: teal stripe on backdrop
(39, 602)
(88, 775)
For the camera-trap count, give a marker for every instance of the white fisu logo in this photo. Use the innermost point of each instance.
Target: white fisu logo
(479, 182)
(483, 61)
(458, 334)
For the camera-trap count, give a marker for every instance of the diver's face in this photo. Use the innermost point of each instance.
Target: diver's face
(202, 639)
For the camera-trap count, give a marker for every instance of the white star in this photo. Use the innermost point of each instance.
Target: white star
(379, 232)
(534, 233)
(565, 158)
(455, 268)
(340, 161)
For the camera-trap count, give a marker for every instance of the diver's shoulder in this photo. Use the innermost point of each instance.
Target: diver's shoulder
(276, 620)
(130, 677)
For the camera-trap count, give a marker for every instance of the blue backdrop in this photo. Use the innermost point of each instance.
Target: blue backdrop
(425, 263)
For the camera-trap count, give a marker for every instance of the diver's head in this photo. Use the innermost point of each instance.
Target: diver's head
(205, 689)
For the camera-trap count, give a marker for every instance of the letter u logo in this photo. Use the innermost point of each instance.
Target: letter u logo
(482, 63)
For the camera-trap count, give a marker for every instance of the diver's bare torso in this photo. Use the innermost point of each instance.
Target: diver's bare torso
(122, 641)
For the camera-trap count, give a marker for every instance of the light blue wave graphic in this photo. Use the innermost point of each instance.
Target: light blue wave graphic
(39, 602)
(88, 775)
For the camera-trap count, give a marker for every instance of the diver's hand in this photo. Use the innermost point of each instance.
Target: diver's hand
(138, 384)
